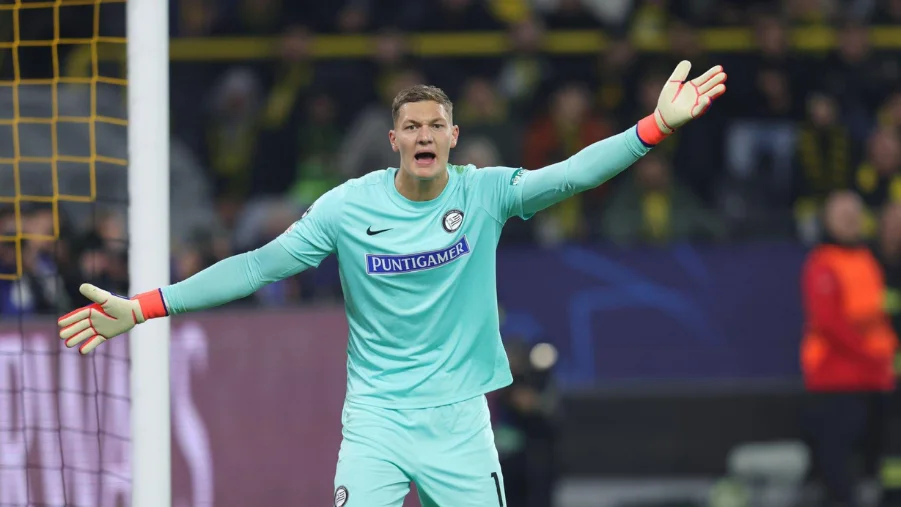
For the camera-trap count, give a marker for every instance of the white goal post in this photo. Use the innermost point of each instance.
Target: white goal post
(148, 251)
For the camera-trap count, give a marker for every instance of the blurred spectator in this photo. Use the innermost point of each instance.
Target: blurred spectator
(194, 18)
(616, 75)
(888, 251)
(824, 157)
(889, 114)
(760, 143)
(480, 104)
(483, 113)
(526, 70)
(685, 44)
(648, 22)
(363, 82)
(317, 147)
(101, 253)
(887, 12)
(256, 17)
(609, 13)
(448, 15)
(859, 77)
(295, 80)
(568, 126)
(478, 151)
(694, 150)
(570, 15)
(353, 17)
(232, 132)
(365, 147)
(40, 288)
(847, 353)
(290, 127)
(205, 249)
(649, 207)
(810, 12)
(877, 178)
(526, 419)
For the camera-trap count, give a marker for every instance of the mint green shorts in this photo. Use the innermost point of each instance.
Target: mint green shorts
(447, 451)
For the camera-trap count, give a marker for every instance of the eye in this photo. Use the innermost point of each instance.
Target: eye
(437, 126)
(410, 127)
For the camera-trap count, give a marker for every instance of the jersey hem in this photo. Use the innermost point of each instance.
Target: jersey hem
(468, 395)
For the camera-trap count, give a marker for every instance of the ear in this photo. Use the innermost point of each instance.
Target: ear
(455, 134)
(393, 139)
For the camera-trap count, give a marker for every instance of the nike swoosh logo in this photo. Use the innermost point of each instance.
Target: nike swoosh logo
(370, 232)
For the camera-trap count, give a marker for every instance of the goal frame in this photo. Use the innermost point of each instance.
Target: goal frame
(148, 246)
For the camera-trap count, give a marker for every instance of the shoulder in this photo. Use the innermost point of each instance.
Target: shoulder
(367, 180)
(352, 188)
(494, 174)
(820, 265)
(818, 256)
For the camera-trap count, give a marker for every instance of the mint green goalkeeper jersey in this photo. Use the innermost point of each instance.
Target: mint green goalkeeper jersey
(419, 283)
(418, 277)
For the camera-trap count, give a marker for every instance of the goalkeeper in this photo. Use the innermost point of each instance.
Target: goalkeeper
(416, 251)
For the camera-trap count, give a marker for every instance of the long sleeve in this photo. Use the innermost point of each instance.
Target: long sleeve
(823, 301)
(587, 169)
(232, 278)
(303, 245)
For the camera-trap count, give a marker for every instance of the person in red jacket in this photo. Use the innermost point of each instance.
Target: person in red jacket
(848, 349)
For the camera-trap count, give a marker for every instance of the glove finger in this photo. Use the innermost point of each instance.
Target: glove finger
(80, 337)
(681, 73)
(70, 331)
(701, 108)
(74, 316)
(93, 293)
(91, 344)
(712, 82)
(716, 91)
(703, 78)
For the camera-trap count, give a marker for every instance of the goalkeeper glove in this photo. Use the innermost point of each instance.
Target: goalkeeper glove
(681, 101)
(109, 316)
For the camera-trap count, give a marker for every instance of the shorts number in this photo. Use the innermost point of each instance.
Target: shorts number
(497, 486)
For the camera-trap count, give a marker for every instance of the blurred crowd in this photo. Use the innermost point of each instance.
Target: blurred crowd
(272, 135)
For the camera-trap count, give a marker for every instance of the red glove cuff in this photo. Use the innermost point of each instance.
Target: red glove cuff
(152, 304)
(649, 132)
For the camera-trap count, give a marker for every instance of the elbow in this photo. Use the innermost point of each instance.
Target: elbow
(253, 273)
(575, 180)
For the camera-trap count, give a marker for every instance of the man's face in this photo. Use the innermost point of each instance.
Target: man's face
(423, 135)
(844, 218)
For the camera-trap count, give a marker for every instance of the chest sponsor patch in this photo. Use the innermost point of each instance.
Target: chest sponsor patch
(408, 263)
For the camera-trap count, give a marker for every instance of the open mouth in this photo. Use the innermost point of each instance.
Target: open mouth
(424, 158)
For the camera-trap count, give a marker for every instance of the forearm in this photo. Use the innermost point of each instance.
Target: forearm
(585, 170)
(232, 278)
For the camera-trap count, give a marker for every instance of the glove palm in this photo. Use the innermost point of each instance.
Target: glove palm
(681, 101)
(108, 317)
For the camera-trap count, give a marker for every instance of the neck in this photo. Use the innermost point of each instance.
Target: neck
(416, 189)
(846, 243)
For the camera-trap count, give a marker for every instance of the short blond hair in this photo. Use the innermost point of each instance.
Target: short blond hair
(421, 93)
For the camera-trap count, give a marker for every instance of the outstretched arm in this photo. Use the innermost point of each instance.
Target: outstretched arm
(680, 101)
(231, 279)
(585, 170)
(228, 280)
(303, 245)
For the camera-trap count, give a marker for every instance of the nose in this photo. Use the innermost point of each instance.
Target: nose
(424, 136)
